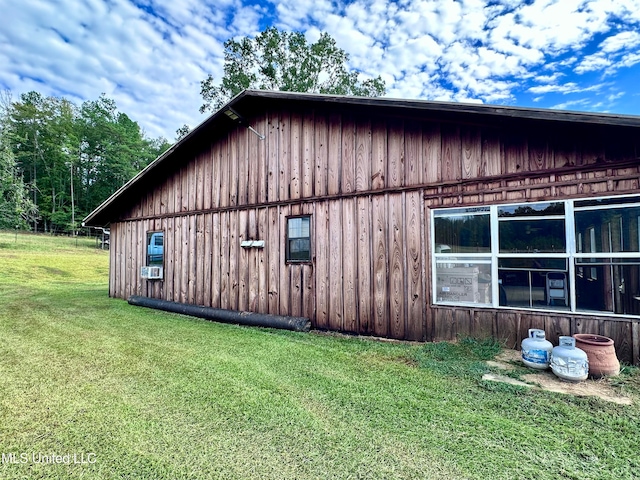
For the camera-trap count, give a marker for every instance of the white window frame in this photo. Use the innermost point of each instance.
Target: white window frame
(571, 255)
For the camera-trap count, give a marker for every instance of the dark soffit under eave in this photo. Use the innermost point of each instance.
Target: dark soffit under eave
(251, 101)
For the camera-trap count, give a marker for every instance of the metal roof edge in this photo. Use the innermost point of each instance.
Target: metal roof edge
(457, 107)
(145, 171)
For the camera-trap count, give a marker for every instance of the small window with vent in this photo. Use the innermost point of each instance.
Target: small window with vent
(155, 249)
(154, 268)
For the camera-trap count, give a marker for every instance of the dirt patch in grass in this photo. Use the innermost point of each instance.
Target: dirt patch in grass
(546, 380)
(597, 388)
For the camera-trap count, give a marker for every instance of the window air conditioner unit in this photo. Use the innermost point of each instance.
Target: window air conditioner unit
(151, 273)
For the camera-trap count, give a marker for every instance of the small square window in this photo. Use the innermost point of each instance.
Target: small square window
(298, 243)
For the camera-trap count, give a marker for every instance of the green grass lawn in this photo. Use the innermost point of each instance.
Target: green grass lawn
(141, 394)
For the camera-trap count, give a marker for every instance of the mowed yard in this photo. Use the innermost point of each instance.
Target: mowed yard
(91, 387)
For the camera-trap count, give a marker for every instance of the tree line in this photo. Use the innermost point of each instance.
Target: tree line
(59, 161)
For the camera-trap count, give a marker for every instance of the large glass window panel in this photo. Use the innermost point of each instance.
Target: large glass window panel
(608, 230)
(462, 234)
(299, 249)
(299, 227)
(532, 255)
(462, 211)
(534, 263)
(604, 201)
(532, 236)
(467, 281)
(615, 288)
(534, 282)
(298, 246)
(531, 210)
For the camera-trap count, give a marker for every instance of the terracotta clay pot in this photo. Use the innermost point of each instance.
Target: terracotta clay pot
(601, 354)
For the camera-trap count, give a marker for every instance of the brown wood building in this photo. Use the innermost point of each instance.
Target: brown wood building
(404, 219)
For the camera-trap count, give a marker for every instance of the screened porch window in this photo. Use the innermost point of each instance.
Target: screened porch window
(608, 260)
(463, 255)
(571, 255)
(532, 263)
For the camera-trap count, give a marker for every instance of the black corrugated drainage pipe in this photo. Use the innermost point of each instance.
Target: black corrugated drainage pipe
(298, 324)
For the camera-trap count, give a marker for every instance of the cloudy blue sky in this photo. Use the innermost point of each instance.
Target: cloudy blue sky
(150, 55)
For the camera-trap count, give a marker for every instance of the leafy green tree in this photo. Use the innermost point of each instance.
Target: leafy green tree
(279, 60)
(107, 141)
(16, 209)
(182, 132)
(113, 149)
(40, 131)
(72, 158)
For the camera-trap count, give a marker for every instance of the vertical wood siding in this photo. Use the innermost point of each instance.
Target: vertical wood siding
(342, 290)
(369, 183)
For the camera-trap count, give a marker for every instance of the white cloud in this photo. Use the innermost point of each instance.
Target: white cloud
(295, 14)
(150, 55)
(593, 63)
(150, 60)
(614, 53)
(615, 96)
(573, 104)
(621, 41)
(570, 87)
(630, 60)
(548, 78)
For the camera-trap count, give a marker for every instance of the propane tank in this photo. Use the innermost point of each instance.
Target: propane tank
(568, 362)
(536, 350)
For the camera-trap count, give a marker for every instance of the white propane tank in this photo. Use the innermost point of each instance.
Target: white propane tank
(536, 350)
(568, 362)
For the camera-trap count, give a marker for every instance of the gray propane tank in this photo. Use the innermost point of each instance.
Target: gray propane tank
(568, 362)
(536, 350)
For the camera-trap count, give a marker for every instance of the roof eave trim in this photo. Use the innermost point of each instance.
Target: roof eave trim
(89, 219)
